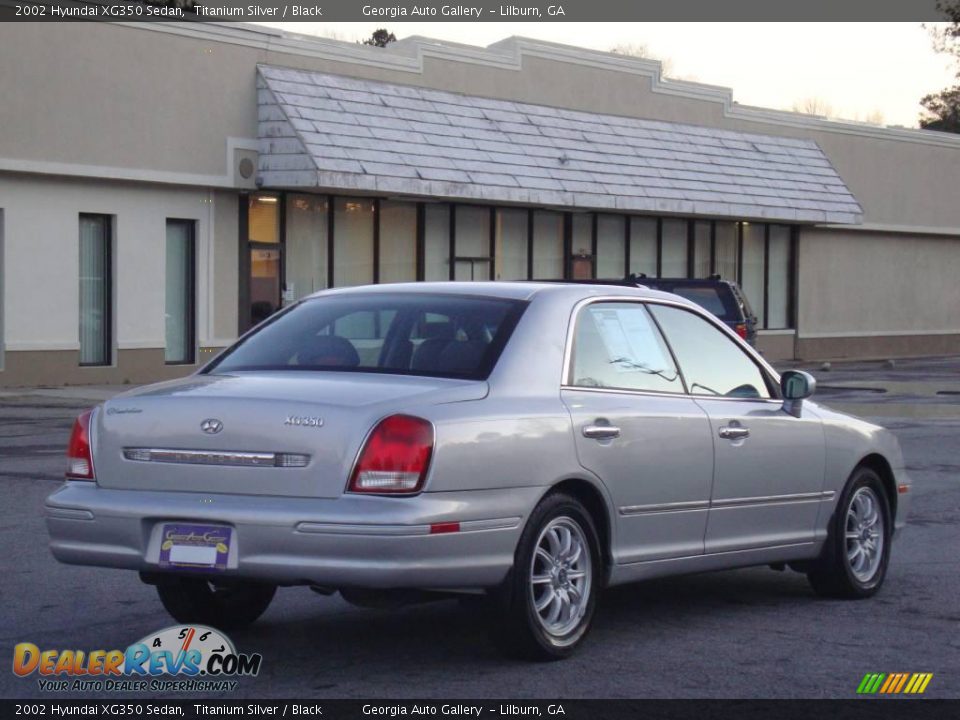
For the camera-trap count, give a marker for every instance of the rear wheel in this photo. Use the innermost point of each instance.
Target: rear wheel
(854, 560)
(225, 605)
(546, 605)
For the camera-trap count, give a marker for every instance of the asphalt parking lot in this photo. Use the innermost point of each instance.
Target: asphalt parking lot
(740, 634)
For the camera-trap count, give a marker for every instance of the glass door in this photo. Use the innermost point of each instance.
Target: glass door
(264, 260)
(264, 281)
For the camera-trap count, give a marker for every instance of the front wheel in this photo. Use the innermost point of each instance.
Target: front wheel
(546, 605)
(854, 560)
(224, 605)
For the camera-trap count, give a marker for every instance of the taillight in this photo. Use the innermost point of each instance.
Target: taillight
(395, 458)
(79, 457)
(741, 330)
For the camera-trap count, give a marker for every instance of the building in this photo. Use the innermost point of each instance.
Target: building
(165, 186)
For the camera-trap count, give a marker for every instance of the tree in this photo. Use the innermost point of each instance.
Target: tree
(380, 38)
(942, 109)
(640, 50)
(813, 106)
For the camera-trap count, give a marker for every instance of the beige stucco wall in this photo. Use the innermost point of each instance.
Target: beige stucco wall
(868, 294)
(173, 101)
(40, 282)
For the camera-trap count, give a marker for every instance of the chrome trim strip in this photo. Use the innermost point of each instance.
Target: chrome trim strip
(379, 530)
(654, 393)
(773, 499)
(493, 524)
(66, 513)
(403, 530)
(759, 548)
(694, 505)
(665, 507)
(230, 458)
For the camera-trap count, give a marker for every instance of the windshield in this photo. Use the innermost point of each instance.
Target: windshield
(403, 333)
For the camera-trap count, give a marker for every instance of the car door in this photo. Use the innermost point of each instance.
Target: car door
(768, 465)
(636, 429)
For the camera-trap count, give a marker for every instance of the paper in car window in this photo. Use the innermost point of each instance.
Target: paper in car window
(629, 339)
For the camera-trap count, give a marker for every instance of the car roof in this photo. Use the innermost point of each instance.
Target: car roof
(513, 290)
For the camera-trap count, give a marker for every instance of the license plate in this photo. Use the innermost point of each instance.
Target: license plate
(203, 547)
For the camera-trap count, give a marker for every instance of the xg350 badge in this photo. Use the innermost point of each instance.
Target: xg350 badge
(304, 421)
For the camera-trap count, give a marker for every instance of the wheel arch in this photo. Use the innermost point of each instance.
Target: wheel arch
(596, 504)
(881, 466)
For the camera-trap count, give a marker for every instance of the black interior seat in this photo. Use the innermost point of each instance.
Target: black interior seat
(328, 351)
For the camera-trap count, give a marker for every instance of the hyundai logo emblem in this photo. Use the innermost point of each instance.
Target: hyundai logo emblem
(211, 426)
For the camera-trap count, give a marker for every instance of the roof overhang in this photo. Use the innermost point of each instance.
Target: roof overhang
(335, 133)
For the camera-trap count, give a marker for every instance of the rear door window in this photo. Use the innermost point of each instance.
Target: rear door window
(617, 346)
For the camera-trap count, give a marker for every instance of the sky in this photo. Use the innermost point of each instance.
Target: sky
(858, 71)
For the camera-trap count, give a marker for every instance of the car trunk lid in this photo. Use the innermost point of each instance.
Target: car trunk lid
(232, 433)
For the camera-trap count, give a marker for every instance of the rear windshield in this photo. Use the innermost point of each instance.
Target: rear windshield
(404, 334)
(716, 300)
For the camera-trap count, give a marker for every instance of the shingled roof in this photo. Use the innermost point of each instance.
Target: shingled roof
(329, 132)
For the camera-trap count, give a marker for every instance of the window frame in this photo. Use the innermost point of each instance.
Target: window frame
(191, 311)
(109, 311)
(767, 372)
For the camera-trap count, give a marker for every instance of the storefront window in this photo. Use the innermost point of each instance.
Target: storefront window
(264, 219)
(352, 241)
(306, 245)
(436, 241)
(398, 242)
(701, 249)
(96, 289)
(643, 246)
(547, 245)
(610, 246)
(778, 278)
(726, 250)
(581, 247)
(674, 257)
(472, 243)
(752, 278)
(602, 245)
(179, 292)
(511, 244)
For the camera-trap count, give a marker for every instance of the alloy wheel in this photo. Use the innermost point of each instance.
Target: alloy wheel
(560, 576)
(864, 534)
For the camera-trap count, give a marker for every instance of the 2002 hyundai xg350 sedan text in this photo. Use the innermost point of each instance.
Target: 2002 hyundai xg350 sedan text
(531, 442)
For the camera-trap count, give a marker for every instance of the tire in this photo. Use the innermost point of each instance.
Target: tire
(557, 562)
(854, 567)
(225, 606)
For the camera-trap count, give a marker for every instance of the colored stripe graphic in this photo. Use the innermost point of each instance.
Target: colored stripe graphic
(870, 683)
(894, 683)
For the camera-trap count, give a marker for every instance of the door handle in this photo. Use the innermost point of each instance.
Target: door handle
(601, 432)
(734, 433)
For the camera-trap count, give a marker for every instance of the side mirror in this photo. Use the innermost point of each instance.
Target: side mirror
(795, 386)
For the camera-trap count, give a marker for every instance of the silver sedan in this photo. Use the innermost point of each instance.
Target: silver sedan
(526, 443)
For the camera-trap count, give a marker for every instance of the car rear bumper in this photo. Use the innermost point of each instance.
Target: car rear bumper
(351, 541)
